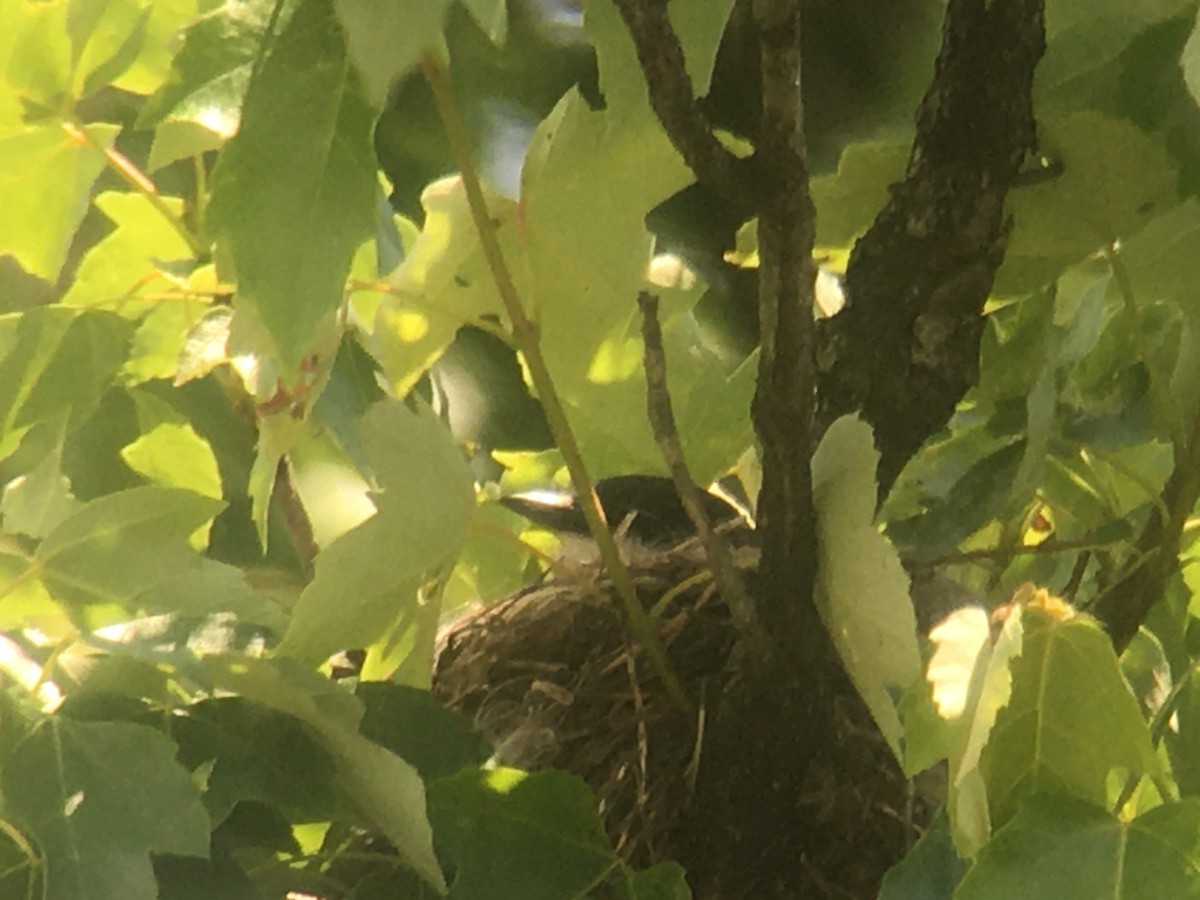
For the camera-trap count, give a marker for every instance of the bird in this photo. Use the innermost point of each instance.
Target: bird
(647, 507)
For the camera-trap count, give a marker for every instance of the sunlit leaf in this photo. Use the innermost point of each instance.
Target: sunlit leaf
(863, 590)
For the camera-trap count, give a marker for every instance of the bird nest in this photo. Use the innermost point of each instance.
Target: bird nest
(734, 788)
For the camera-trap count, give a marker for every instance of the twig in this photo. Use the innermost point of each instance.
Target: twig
(662, 423)
(673, 100)
(525, 334)
(1049, 546)
(139, 181)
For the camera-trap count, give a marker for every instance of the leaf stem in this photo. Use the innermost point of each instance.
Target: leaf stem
(525, 334)
(139, 181)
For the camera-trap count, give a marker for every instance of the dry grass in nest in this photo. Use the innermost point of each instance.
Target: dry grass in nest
(552, 678)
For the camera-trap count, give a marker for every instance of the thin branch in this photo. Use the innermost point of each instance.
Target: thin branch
(1045, 548)
(673, 100)
(139, 181)
(525, 333)
(662, 423)
(295, 518)
(1124, 607)
(784, 405)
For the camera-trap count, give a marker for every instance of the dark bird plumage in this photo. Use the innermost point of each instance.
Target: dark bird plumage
(658, 519)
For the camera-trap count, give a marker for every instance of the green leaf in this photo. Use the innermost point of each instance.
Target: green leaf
(46, 176)
(169, 452)
(61, 362)
(367, 580)
(930, 871)
(588, 251)
(40, 66)
(1057, 848)
(257, 753)
(408, 721)
(1114, 179)
(491, 16)
(34, 503)
(148, 71)
(848, 202)
(98, 798)
(388, 38)
(443, 283)
(989, 691)
(294, 191)
(862, 587)
(384, 787)
(117, 546)
(209, 587)
(211, 72)
(129, 262)
(1071, 720)
(662, 881)
(519, 836)
(106, 37)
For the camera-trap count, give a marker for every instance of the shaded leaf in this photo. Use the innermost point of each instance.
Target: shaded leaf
(519, 836)
(294, 191)
(99, 797)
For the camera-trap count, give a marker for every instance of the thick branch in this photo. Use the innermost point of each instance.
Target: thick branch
(672, 98)
(907, 347)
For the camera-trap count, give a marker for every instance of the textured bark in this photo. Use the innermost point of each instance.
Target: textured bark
(906, 349)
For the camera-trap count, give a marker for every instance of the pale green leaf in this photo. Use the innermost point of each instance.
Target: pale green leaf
(334, 494)
(442, 284)
(129, 262)
(179, 139)
(388, 38)
(106, 37)
(210, 587)
(99, 798)
(366, 581)
(148, 71)
(990, 691)
(162, 338)
(1115, 178)
(862, 587)
(294, 191)
(46, 176)
(117, 546)
(1071, 720)
(39, 68)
